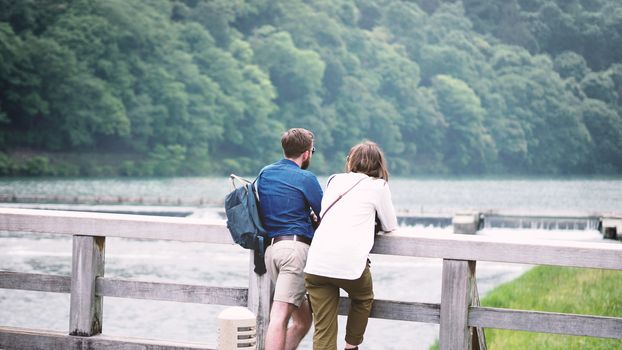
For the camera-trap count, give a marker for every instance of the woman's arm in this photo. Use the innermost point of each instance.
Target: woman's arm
(386, 211)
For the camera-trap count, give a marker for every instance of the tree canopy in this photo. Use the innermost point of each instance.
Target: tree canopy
(191, 87)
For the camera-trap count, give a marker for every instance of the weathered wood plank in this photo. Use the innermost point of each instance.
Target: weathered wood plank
(398, 310)
(457, 284)
(85, 313)
(478, 248)
(479, 335)
(546, 322)
(19, 339)
(259, 295)
(129, 289)
(457, 247)
(35, 282)
(113, 225)
(185, 293)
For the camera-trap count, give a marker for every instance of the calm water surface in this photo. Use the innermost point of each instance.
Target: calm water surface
(417, 195)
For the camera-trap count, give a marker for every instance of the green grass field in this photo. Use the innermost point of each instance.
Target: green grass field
(556, 289)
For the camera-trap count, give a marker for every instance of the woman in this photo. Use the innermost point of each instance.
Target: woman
(338, 256)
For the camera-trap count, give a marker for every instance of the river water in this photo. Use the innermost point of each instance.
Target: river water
(395, 278)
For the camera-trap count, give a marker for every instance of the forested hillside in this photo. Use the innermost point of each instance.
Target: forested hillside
(191, 87)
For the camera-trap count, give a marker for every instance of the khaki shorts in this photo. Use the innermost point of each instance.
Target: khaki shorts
(285, 262)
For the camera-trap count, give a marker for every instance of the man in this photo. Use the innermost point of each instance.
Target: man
(288, 193)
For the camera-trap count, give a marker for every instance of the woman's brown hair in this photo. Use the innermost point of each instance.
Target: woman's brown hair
(368, 158)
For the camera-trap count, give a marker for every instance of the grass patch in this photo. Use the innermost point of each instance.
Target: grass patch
(557, 289)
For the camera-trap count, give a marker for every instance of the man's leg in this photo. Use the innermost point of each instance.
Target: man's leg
(301, 323)
(277, 328)
(286, 262)
(279, 335)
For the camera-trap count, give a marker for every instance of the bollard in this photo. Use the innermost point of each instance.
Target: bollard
(610, 227)
(466, 223)
(237, 329)
(610, 233)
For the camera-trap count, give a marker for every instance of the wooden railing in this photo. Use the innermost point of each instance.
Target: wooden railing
(461, 318)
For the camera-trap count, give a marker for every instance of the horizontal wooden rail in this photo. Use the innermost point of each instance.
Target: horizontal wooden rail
(35, 282)
(121, 288)
(438, 245)
(50, 340)
(113, 225)
(546, 322)
(398, 310)
(478, 248)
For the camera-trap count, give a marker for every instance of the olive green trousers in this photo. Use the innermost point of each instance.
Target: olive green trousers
(324, 299)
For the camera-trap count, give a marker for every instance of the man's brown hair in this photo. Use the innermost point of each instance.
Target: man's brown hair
(296, 141)
(368, 158)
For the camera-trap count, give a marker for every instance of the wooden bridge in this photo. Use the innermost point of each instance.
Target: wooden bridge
(461, 319)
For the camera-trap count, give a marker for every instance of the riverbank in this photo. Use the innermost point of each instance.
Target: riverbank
(556, 289)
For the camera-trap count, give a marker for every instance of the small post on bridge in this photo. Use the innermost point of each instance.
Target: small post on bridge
(85, 315)
(458, 294)
(467, 223)
(611, 227)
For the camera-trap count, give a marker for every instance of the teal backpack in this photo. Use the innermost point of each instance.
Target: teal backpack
(243, 221)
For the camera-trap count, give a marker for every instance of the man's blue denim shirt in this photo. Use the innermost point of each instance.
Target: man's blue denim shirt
(286, 192)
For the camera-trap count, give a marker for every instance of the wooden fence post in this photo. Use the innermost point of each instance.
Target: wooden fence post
(85, 315)
(456, 294)
(259, 300)
(479, 336)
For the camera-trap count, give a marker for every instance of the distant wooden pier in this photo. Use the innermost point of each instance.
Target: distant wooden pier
(462, 321)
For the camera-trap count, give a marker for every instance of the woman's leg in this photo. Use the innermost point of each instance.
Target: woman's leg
(324, 299)
(361, 293)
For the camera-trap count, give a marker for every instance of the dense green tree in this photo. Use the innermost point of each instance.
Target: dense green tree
(296, 73)
(10, 44)
(599, 86)
(592, 29)
(471, 147)
(183, 87)
(571, 65)
(605, 127)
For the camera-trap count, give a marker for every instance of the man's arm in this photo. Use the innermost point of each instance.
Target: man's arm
(313, 193)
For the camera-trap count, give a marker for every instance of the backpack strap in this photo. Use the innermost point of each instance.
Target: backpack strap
(242, 180)
(261, 240)
(256, 186)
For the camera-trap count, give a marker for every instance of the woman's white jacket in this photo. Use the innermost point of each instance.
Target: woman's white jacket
(342, 243)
